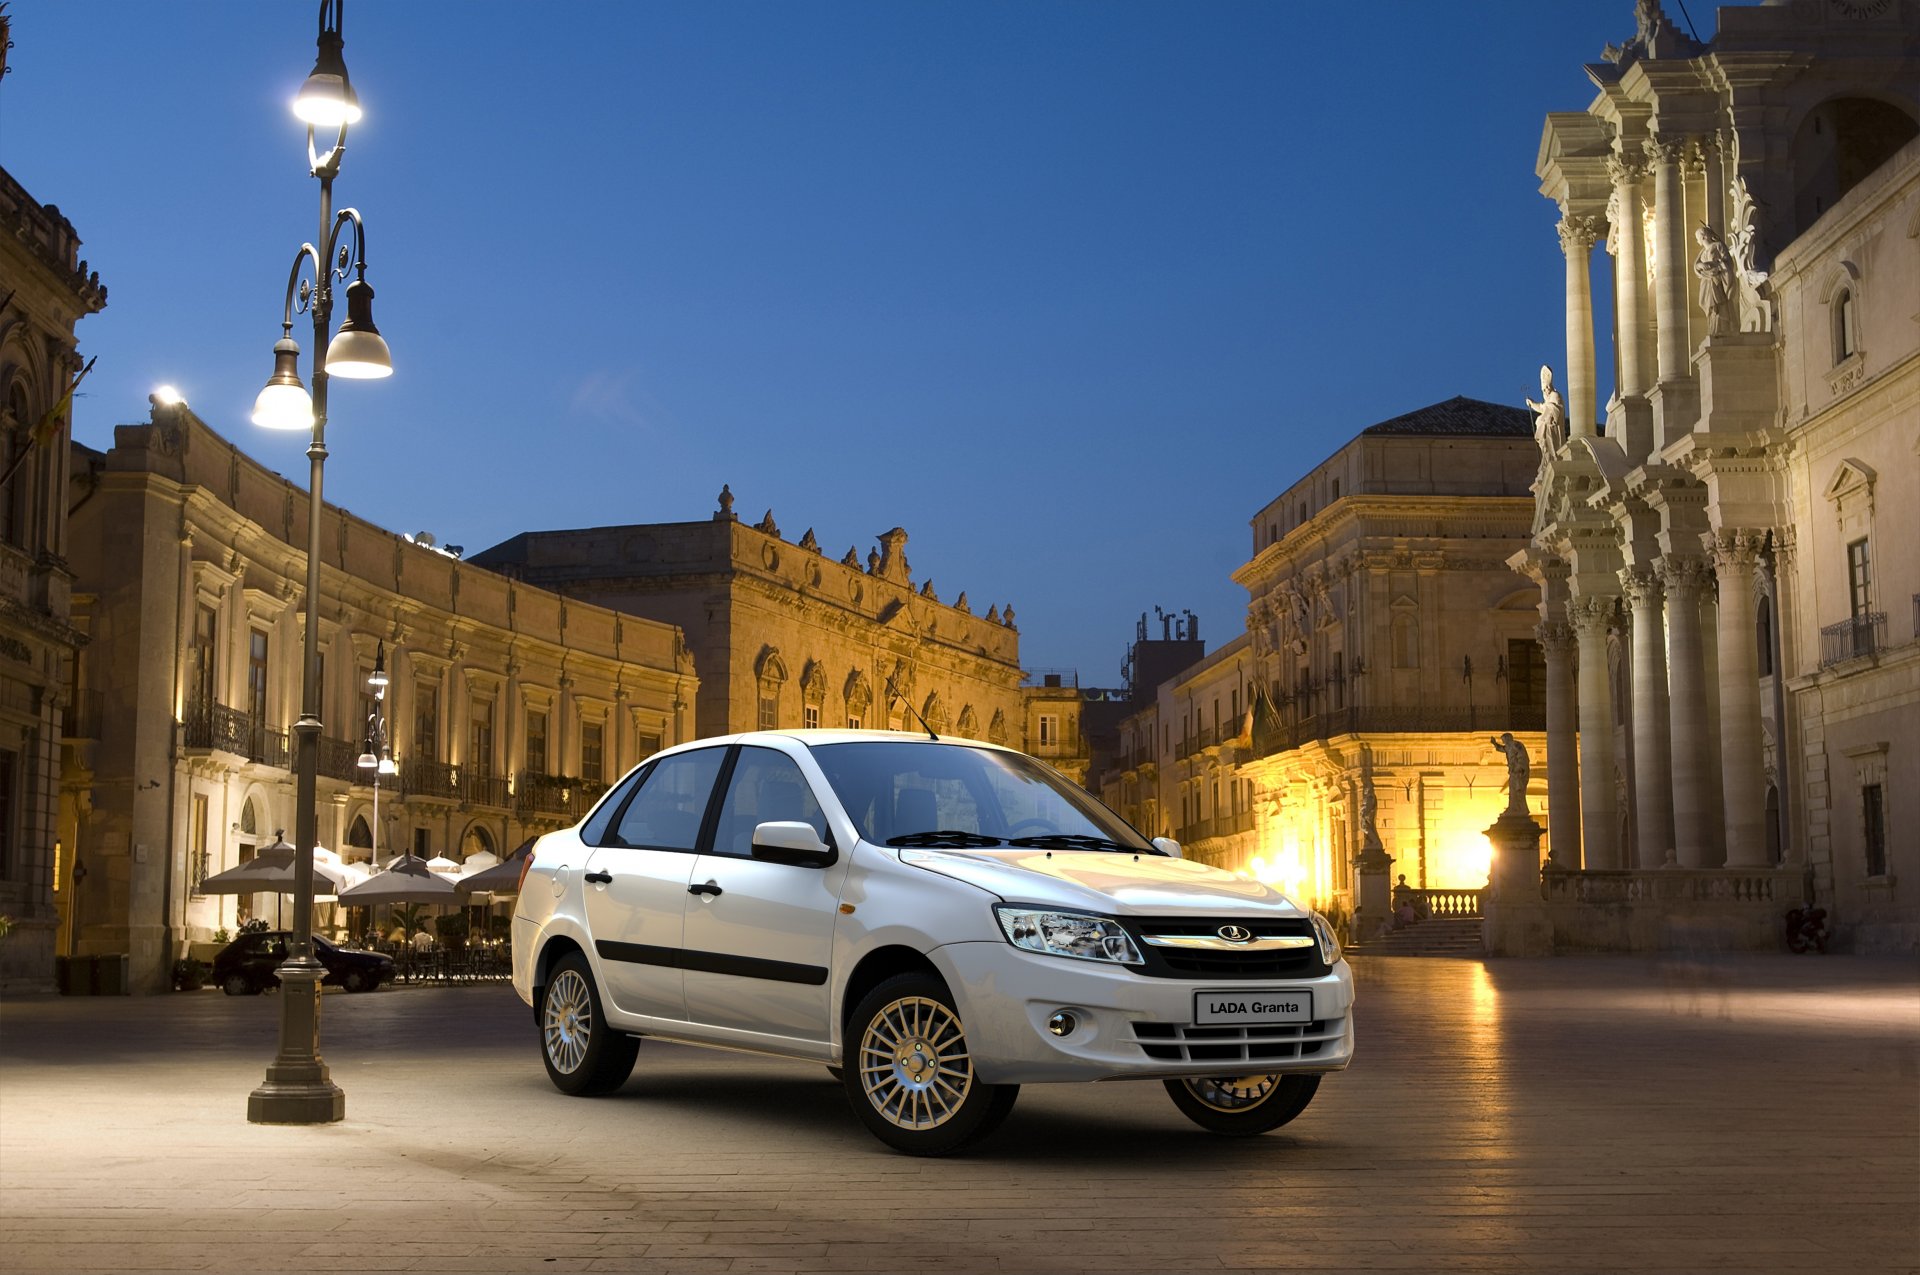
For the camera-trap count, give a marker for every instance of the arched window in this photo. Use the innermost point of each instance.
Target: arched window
(997, 728)
(813, 695)
(969, 727)
(1845, 338)
(771, 678)
(14, 439)
(859, 698)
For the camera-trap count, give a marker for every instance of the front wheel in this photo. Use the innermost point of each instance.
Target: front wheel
(357, 981)
(237, 985)
(909, 1073)
(1242, 1106)
(584, 1055)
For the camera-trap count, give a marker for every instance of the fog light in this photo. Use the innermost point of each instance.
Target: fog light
(1062, 1023)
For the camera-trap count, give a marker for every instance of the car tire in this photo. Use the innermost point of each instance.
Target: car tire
(585, 1056)
(908, 1072)
(1242, 1106)
(238, 985)
(356, 981)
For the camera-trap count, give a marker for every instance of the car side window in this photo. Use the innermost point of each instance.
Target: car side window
(666, 813)
(766, 786)
(594, 830)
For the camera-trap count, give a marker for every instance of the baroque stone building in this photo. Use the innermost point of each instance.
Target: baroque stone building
(787, 636)
(45, 290)
(1740, 528)
(508, 710)
(1386, 643)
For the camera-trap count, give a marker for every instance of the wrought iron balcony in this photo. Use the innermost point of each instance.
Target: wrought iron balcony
(1853, 637)
(228, 730)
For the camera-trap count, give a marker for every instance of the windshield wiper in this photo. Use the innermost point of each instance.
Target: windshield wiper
(943, 839)
(1070, 841)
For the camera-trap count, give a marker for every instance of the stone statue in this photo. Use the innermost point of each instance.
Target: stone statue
(1369, 810)
(1517, 768)
(726, 500)
(1549, 415)
(1719, 291)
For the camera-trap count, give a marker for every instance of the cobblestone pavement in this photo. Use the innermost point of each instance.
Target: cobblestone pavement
(1751, 1114)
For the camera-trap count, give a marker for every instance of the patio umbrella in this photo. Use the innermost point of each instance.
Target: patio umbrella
(271, 872)
(501, 878)
(405, 880)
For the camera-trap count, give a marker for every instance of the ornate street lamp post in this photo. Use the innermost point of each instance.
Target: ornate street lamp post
(376, 754)
(297, 1089)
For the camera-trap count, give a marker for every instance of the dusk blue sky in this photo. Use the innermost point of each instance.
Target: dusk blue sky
(1068, 290)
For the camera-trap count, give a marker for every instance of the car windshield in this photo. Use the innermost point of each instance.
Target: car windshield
(952, 796)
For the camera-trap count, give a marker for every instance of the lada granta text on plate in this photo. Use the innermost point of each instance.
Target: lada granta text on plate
(937, 921)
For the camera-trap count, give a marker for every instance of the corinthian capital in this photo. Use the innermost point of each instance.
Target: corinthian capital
(1626, 170)
(1664, 148)
(1590, 614)
(1578, 234)
(1555, 638)
(1735, 549)
(1684, 577)
(1642, 586)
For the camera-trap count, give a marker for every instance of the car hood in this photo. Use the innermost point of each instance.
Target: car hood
(1114, 882)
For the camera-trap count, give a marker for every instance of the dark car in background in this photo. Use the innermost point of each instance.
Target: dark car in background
(245, 967)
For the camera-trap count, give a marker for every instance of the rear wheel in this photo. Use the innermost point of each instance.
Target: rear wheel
(909, 1073)
(358, 981)
(1242, 1106)
(584, 1055)
(238, 985)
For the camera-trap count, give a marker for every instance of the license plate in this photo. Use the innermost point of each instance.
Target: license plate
(1212, 1009)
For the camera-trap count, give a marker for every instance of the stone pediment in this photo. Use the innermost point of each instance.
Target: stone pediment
(894, 615)
(1851, 477)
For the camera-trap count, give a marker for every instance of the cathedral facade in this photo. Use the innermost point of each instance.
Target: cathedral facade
(1727, 549)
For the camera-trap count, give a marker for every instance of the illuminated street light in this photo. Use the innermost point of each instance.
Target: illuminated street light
(297, 1088)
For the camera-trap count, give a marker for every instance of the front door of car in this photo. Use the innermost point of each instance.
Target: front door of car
(636, 883)
(759, 933)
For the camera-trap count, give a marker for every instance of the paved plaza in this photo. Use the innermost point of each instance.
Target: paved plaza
(1741, 1114)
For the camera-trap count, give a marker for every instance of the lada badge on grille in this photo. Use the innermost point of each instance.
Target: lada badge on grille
(1235, 933)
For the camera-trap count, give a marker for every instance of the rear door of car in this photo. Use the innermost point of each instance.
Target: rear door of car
(759, 933)
(640, 857)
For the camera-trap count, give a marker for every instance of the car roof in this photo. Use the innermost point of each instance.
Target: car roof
(832, 736)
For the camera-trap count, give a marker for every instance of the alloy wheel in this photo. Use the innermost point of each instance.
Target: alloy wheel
(568, 1026)
(914, 1065)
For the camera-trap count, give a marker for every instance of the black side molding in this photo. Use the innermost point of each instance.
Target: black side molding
(712, 962)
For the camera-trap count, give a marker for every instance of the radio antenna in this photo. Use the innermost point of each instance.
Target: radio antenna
(893, 694)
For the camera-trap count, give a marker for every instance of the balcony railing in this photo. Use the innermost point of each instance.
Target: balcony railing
(229, 730)
(429, 779)
(83, 716)
(564, 796)
(1852, 638)
(481, 789)
(341, 760)
(1270, 736)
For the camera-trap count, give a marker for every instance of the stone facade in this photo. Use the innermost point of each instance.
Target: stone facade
(509, 707)
(1734, 552)
(786, 635)
(1386, 642)
(45, 290)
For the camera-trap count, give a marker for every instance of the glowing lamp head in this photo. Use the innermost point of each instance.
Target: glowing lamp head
(358, 351)
(327, 99)
(284, 403)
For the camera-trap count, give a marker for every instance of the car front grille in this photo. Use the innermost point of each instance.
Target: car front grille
(1226, 961)
(1177, 1042)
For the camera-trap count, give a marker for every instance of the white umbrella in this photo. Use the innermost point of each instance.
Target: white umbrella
(405, 880)
(440, 863)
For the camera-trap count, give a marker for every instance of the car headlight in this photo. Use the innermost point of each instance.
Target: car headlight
(1086, 938)
(1328, 940)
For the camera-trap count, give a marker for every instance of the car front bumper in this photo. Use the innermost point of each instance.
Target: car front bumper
(1127, 1025)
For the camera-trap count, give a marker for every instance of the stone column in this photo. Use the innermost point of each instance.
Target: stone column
(1695, 803)
(1742, 778)
(1670, 266)
(1630, 274)
(1652, 748)
(1598, 817)
(1577, 237)
(1563, 768)
(1517, 921)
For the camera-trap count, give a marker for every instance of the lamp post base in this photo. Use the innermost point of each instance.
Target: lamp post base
(296, 1089)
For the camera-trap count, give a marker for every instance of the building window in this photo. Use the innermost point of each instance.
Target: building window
(201, 659)
(1526, 684)
(197, 842)
(1049, 730)
(810, 717)
(422, 843)
(1337, 680)
(1406, 641)
(14, 439)
(1763, 634)
(856, 722)
(537, 741)
(480, 737)
(426, 721)
(1873, 812)
(257, 677)
(1859, 579)
(592, 744)
(1845, 338)
(769, 711)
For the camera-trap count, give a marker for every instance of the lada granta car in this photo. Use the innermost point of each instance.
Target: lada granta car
(937, 921)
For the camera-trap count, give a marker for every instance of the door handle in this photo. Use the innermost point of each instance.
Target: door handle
(709, 888)
(599, 878)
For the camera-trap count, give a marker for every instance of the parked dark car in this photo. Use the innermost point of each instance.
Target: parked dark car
(246, 966)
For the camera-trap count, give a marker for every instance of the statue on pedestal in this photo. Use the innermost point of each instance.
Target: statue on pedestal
(1518, 765)
(1719, 293)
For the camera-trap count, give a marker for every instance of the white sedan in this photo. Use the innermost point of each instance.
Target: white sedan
(938, 921)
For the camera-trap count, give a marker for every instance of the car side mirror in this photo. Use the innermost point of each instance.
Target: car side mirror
(1169, 847)
(791, 841)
